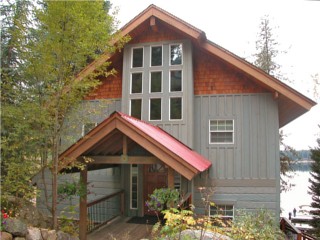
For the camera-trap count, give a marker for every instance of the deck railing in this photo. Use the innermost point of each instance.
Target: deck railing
(104, 209)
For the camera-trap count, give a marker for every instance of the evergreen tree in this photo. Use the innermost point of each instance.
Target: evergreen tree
(315, 188)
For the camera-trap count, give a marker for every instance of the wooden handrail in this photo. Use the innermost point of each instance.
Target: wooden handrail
(104, 198)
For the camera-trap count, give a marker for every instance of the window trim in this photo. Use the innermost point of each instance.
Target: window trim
(131, 82)
(131, 175)
(171, 70)
(154, 120)
(224, 216)
(132, 49)
(224, 131)
(150, 63)
(161, 81)
(170, 119)
(175, 65)
(130, 106)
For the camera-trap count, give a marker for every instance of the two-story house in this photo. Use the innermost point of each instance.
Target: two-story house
(182, 112)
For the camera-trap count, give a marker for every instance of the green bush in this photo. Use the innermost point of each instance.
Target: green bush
(255, 226)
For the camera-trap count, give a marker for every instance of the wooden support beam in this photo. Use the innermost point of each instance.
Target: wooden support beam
(170, 178)
(83, 206)
(124, 159)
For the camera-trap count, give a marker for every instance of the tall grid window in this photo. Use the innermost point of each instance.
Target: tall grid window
(221, 131)
(156, 71)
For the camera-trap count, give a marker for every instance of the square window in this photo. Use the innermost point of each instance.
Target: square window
(135, 108)
(176, 81)
(155, 109)
(176, 108)
(156, 56)
(155, 82)
(136, 83)
(176, 54)
(221, 131)
(137, 57)
(223, 212)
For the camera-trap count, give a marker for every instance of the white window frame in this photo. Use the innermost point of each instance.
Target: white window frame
(130, 102)
(223, 131)
(131, 175)
(172, 44)
(131, 64)
(223, 216)
(181, 108)
(154, 120)
(171, 70)
(151, 56)
(131, 82)
(161, 81)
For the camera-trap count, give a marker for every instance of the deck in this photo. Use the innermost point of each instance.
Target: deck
(120, 229)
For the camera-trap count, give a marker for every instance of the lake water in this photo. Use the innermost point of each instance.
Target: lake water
(298, 196)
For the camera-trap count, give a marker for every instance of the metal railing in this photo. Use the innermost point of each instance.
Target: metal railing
(104, 209)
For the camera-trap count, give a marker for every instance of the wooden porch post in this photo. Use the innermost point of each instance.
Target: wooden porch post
(83, 206)
(170, 178)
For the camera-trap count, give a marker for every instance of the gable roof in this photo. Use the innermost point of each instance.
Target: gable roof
(155, 140)
(292, 104)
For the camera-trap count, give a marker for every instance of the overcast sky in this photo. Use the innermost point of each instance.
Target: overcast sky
(234, 25)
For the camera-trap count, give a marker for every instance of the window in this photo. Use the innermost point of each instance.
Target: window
(134, 187)
(155, 109)
(135, 108)
(87, 127)
(221, 131)
(156, 56)
(176, 54)
(155, 82)
(223, 211)
(137, 57)
(176, 81)
(136, 83)
(176, 108)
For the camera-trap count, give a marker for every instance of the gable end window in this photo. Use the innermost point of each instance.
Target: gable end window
(137, 57)
(221, 131)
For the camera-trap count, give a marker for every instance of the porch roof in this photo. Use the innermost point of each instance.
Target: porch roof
(156, 141)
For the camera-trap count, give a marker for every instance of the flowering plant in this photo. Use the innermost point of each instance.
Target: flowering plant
(4, 216)
(162, 198)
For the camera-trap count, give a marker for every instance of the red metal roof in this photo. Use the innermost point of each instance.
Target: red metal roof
(191, 157)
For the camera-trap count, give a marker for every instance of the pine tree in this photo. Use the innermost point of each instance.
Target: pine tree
(315, 188)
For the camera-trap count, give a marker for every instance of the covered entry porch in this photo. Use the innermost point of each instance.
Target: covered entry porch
(145, 156)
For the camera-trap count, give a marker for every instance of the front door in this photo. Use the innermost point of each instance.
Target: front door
(155, 176)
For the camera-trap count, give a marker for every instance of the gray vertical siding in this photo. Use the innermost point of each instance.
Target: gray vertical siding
(89, 111)
(254, 156)
(100, 183)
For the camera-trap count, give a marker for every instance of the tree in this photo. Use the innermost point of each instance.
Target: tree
(315, 188)
(17, 150)
(68, 35)
(265, 58)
